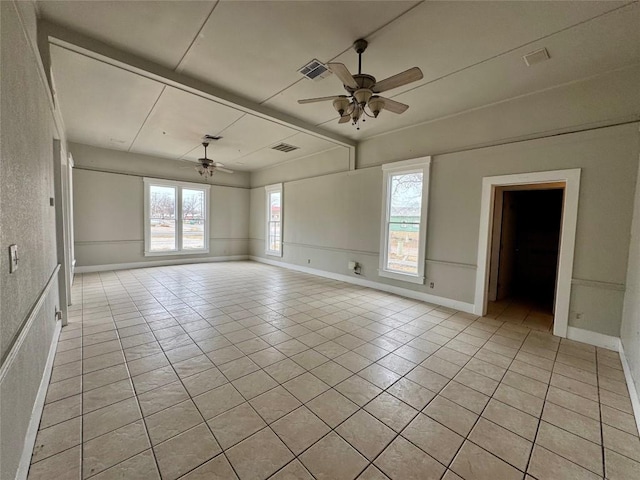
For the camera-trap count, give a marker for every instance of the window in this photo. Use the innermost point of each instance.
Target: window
(404, 219)
(274, 219)
(176, 217)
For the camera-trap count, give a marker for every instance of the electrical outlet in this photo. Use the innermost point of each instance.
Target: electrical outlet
(432, 285)
(308, 260)
(578, 315)
(13, 258)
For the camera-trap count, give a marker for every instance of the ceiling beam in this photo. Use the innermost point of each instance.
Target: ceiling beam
(84, 45)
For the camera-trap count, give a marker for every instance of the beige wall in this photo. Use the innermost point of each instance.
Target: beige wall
(109, 220)
(27, 131)
(630, 330)
(331, 219)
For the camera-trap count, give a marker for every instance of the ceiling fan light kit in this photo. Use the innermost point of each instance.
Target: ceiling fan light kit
(362, 100)
(207, 167)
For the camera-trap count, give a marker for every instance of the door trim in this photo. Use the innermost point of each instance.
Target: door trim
(571, 180)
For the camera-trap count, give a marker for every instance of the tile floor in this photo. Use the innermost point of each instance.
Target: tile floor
(241, 370)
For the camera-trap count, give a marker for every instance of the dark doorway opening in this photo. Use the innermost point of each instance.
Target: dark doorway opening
(525, 248)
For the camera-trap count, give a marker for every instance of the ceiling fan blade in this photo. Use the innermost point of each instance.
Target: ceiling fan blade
(319, 99)
(343, 74)
(393, 106)
(398, 80)
(344, 119)
(225, 170)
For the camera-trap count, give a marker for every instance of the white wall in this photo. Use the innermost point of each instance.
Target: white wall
(630, 330)
(331, 219)
(109, 220)
(27, 130)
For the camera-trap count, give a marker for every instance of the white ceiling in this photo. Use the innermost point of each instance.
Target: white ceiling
(470, 53)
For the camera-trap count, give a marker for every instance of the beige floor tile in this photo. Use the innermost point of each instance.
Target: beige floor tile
(154, 379)
(476, 381)
(215, 469)
(620, 467)
(309, 359)
(204, 381)
(254, 384)
(434, 438)
(104, 377)
(511, 418)
(379, 375)
(235, 425)
(576, 373)
(546, 465)
(450, 475)
(372, 473)
(64, 389)
(525, 384)
(61, 411)
(572, 447)
(217, 401)
(574, 402)
(300, 429)
(274, 404)
(618, 419)
(284, 370)
(259, 456)
(473, 462)
(615, 386)
(332, 458)
(186, 451)
(193, 365)
(57, 438)
(519, 399)
(293, 471)
(238, 368)
(572, 422)
(114, 447)
(139, 467)
(305, 387)
(403, 460)
(107, 395)
(161, 398)
(396, 364)
(110, 418)
(391, 411)
(358, 390)
(441, 366)
(621, 442)
(487, 369)
(102, 361)
(502, 443)
(331, 373)
(465, 396)
(63, 466)
(367, 434)
(452, 415)
(332, 407)
(411, 393)
(267, 357)
(616, 401)
(172, 421)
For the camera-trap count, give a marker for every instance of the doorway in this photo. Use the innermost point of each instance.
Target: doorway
(529, 181)
(525, 247)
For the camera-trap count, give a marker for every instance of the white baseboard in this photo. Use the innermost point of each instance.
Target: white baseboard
(157, 263)
(593, 338)
(633, 391)
(425, 297)
(38, 406)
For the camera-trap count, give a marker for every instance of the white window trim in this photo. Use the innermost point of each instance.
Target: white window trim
(148, 182)
(423, 165)
(276, 187)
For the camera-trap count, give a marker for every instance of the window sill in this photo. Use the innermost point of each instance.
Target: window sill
(175, 252)
(403, 277)
(271, 253)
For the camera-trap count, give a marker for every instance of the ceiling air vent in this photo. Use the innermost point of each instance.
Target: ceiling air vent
(536, 57)
(285, 147)
(315, 70)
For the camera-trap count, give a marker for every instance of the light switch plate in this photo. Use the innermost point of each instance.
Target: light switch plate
(13, 258)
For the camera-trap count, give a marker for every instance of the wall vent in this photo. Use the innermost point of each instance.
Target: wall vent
(315, 70)
(285, 147)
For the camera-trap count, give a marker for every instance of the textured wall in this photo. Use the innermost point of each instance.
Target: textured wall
(26, 219)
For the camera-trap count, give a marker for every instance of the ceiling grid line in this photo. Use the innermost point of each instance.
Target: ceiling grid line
(180, 64)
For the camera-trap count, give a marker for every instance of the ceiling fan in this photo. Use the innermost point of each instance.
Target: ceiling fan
(207, 167)
(363, 91)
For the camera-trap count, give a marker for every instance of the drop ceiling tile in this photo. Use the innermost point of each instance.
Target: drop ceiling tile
(101, 105)
(255, 48)
(160, 31)
(178, 122)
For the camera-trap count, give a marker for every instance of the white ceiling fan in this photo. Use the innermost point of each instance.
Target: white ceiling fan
(363, 99)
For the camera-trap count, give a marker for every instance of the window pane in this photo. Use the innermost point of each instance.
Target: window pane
(274, 222)
(405, 205)
(193, 210)
(402, 254)
(162, 216)
(274, 206)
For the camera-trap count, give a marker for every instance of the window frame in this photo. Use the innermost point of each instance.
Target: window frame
(389, 170)
(179, 186)
(269, 189)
